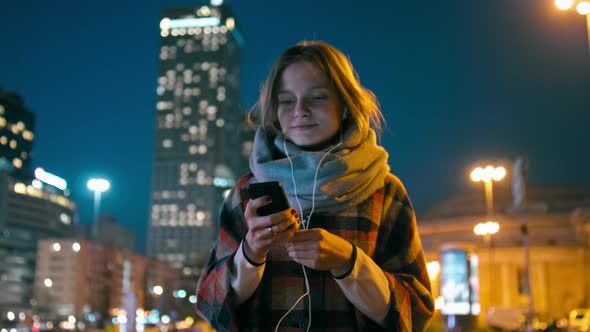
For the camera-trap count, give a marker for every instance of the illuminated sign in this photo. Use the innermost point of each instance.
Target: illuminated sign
(167, 23)
(459, 282)
(50, 179)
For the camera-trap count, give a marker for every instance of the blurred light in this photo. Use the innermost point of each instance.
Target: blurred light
(192, 299)
(439, 303)
(22, 316)
(230, 23)
(564, 4)
(37, 184)
(17, 163)
(216, 2)
(583, 8)
(76, 246)
(65, 219)
(165, 319)
(433, 268)
(47, 282)
(165, 23)
(71, 319)
(487, 174)
(181, 293)
(10, 315)
(20, 188)
(489, 227)
(158, 290)
(56, 247)
(192, 22)
(50, 179)
(498, 173)
(100, 185)
(122, 319)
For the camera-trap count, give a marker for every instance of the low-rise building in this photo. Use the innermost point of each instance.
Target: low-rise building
(556, 222)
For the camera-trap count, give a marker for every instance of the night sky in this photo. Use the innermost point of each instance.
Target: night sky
(458, 81)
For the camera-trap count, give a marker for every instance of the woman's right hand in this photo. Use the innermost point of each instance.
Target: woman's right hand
(263, 231)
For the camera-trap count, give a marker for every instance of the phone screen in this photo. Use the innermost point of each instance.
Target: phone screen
(275, 190)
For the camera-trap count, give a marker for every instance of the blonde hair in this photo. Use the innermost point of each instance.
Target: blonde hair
(363, 107)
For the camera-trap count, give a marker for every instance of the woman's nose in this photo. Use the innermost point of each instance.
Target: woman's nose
(300, 109)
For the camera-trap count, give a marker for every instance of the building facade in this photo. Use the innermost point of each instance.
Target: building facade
(199, 145)
(29, 212)
(17, 126)
(95, 283)
(555, 242)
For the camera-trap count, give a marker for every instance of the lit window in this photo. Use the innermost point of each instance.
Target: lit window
(28, 135)
(193, 149)
(17, 162)
(3, 140)
(230, 23)
(202, 149)
(2, 121)
(164, 33)
(56, 246)
(220, 123)
(65, 219)
(14, 129)
(20, 126)
(167, 143)
(20, 188)
(1, 109)
(13, 144)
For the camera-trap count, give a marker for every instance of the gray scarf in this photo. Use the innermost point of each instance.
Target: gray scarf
(348, 174)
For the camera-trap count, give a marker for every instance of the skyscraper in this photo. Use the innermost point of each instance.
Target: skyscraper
(30, 208)
(199, 150)
(16, 135)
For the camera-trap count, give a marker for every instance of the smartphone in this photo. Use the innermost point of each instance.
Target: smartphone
(275, 190)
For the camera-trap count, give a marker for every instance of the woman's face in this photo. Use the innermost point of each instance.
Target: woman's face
(309, 107)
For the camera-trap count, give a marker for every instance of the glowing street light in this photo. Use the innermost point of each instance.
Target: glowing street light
(582, 7)
(486, 230)
(158, 290)
(488, 175)
(489, 227)
(98, 186)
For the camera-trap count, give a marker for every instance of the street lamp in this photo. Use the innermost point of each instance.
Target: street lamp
(486, 230)
(98, 186)
(487, 175)
(582, 7)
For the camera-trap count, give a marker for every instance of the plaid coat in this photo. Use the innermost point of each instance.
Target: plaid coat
(383, 226)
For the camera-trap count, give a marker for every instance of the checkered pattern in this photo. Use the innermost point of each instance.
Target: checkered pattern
(383, 226)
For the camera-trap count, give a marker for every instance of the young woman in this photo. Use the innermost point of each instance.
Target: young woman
(347, 255)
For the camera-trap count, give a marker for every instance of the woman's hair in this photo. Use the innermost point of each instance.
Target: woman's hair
(363, 107)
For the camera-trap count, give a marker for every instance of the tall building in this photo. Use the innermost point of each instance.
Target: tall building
(199, 146)
(16, 135)
(30, 208)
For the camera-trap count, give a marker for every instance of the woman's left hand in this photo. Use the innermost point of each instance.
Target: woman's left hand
(320, 250)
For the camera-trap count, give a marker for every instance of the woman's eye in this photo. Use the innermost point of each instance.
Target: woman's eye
(286, 102)
(319, 98)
